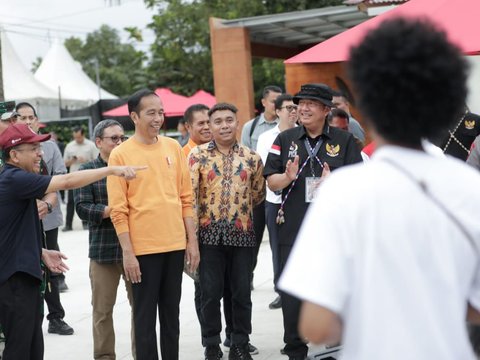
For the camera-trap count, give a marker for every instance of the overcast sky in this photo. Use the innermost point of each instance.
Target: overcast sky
(31, 25)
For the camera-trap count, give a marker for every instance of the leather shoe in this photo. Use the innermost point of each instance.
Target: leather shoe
(60, 327)
(213, 352)
(276, 304)
(67, 228)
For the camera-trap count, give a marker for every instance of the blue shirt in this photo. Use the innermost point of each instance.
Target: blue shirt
(20, 233)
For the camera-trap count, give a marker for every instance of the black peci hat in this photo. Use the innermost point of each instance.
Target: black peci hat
(319, 92)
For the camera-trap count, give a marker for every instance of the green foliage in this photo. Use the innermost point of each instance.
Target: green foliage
(36, 64)
(121, 66)
(64, 129)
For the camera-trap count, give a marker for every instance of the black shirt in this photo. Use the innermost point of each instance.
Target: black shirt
(338, 148)
(464, 132)
(20, 234)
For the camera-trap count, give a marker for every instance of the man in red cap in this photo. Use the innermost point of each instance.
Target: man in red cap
(21, 249)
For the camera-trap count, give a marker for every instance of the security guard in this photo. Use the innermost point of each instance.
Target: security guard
(458, 140)
(295, 164)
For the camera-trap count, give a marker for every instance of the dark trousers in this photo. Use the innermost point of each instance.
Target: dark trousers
(160, 289)
(227, 306)
(70, 209)
(271, 211)
(21, 318)
(259, 228)
(218, 264)
(52, 294)
(295, 346)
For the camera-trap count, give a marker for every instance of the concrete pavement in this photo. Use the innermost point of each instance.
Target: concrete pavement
(267, 324)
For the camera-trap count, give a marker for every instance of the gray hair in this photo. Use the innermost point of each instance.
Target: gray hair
(102, 125)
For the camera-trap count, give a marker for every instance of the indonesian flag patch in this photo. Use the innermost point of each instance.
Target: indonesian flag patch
(275, 149)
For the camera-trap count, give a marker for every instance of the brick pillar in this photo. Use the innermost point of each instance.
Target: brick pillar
(232, 68)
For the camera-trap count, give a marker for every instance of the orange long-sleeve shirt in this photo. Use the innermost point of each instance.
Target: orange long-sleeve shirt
(152, 206)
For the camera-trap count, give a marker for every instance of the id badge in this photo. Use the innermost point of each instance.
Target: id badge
(311, 186)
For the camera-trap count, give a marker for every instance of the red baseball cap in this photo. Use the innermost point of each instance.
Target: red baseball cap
(17, 134)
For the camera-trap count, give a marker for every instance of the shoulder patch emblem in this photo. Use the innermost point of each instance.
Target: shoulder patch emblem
(332, 150)
(292, 151)
(469, 124)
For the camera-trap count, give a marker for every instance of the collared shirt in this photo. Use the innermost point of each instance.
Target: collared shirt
(226, 188)
(458, 142)
(188, 147)
(264, 144)
(55, 166)
(338, 148)
(90, 203)
(262, 126)
(384, 253)
(20, 232)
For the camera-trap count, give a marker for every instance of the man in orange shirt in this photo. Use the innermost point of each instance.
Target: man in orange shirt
(196, 119)
(154, 223)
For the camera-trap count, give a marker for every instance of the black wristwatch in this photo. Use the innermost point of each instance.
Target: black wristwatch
(49, 207)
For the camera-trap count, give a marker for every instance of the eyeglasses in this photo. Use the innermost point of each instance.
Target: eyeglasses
(37, 149)
(289, 108)
(115, 138)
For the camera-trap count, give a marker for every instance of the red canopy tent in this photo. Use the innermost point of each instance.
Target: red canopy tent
(457, 18)
(202, 97)
(174, 104)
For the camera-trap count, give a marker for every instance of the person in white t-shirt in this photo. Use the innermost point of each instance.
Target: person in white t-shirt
(287, 114)
(389, 263)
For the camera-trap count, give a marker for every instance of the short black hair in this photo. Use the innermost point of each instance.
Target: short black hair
(135, 99)
(25, 104)
(338, 113)
(410, 81)
(280, 99)
(79, 129)
(188, 116)
(270, 88)
(222, 106)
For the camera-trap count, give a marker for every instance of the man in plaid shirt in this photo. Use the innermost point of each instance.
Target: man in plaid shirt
(105, 252)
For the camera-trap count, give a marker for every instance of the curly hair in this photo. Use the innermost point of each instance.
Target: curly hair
(410, 81)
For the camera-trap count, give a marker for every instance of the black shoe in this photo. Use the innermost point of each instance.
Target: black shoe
(67, 228)
(239, 352)
(251, 349)
(213, 352)
(276, 304)
(62, 286)
(60, 327)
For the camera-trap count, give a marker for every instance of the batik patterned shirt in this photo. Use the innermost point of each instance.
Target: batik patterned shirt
(226, 189)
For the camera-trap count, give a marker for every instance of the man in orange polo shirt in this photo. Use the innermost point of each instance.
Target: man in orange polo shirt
(154, 223)
(196, 119)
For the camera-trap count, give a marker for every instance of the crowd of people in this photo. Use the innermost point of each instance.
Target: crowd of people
(376, 255)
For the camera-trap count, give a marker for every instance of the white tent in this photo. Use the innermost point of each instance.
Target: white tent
(62, 74)
(19, 84)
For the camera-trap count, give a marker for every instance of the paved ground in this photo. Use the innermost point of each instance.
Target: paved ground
(267, 324)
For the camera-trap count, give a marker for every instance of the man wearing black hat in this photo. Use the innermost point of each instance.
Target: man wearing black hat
(297, 162)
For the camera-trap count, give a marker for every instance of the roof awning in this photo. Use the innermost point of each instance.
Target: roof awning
(300, 28)
(455, 17)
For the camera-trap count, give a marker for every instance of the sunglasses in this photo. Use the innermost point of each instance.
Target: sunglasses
(289, 108)
(116, 138)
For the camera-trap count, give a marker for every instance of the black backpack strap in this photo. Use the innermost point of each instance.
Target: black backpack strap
(254, 125)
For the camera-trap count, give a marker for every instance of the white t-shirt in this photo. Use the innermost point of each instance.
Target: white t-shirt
(264, 144)
(381, 254)
(87, 150)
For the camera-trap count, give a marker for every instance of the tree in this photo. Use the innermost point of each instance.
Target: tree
(121, 66)
(36, 64)
(181, 57)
